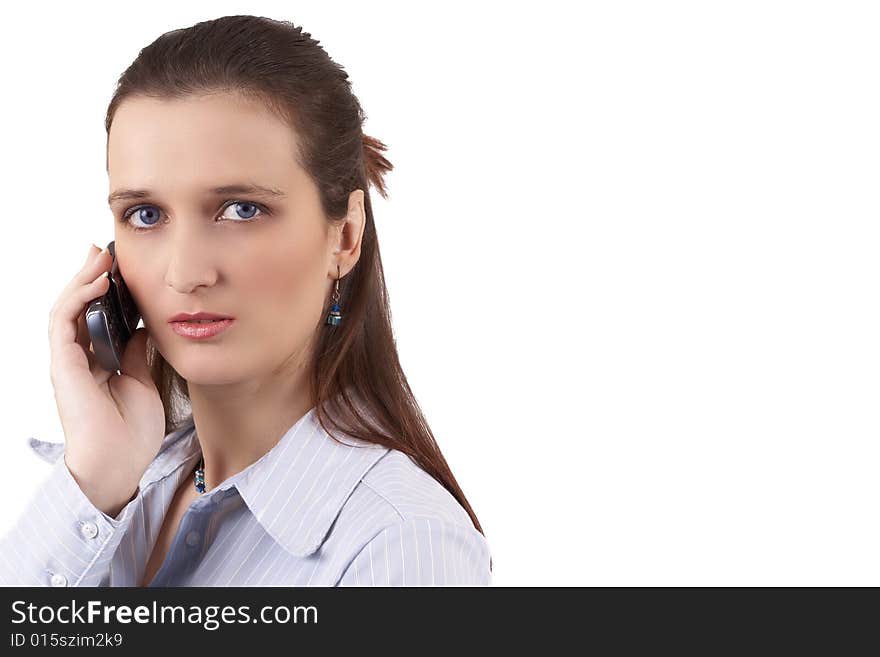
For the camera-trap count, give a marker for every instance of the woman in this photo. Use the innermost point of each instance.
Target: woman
(239, 181)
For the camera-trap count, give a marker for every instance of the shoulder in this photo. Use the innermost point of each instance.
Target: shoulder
(404, 486)
(396, 490)
(399, 517)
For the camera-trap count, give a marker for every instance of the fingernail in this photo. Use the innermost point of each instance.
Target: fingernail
(90, 254)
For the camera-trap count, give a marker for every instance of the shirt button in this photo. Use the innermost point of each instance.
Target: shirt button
(59, 580)
(192, 539)
(89, 530)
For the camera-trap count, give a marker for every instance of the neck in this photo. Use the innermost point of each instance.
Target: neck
(237, 423)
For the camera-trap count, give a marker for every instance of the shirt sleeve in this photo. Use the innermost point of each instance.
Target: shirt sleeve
(421, 551)
(61, 538)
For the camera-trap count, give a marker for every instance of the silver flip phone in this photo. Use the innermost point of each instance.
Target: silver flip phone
(112, 319)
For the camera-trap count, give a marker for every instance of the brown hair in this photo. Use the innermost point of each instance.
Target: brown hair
(355, 366)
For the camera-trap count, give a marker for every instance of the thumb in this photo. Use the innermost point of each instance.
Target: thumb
(134, 360)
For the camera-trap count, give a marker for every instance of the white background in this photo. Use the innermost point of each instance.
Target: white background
(630, 249)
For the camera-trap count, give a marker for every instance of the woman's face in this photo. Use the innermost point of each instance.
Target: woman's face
(264, 259)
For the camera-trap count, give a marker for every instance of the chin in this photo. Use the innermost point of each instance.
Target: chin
(204, 366)
(195, 376)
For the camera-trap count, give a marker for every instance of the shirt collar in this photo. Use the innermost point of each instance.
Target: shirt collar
(295, 490)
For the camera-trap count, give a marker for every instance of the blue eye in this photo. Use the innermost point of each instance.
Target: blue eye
(150, 214)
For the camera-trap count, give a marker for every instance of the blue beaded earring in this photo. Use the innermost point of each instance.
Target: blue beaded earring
(334, 317)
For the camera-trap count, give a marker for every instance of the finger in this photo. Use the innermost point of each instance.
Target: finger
(59, 316)
(96, 263)
(93, 250)
(89, 272)
(65, 317)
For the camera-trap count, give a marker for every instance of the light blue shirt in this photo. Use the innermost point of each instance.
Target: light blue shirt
(309, 512)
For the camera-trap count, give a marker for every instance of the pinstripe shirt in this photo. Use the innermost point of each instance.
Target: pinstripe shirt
(309, 512)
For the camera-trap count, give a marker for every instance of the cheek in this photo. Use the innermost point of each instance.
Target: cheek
(291, 282)
(137, 280)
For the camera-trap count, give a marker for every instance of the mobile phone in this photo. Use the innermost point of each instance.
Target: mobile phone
(112, 319)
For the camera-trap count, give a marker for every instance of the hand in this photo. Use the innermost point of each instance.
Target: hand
(114, 424)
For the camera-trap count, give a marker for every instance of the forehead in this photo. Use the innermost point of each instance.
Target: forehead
(157, 143)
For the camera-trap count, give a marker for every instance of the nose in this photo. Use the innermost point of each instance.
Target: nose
(190, 263)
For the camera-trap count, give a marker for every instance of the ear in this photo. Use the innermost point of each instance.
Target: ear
(345, 247)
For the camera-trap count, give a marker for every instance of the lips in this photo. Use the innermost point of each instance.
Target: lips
(201, 330)
(193, 317)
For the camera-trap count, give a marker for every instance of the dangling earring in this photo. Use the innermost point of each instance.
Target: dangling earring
(334, 317)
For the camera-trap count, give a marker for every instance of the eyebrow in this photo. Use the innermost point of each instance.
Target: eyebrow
(239, 188)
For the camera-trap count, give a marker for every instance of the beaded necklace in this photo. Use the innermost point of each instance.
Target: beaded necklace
(200, 476)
